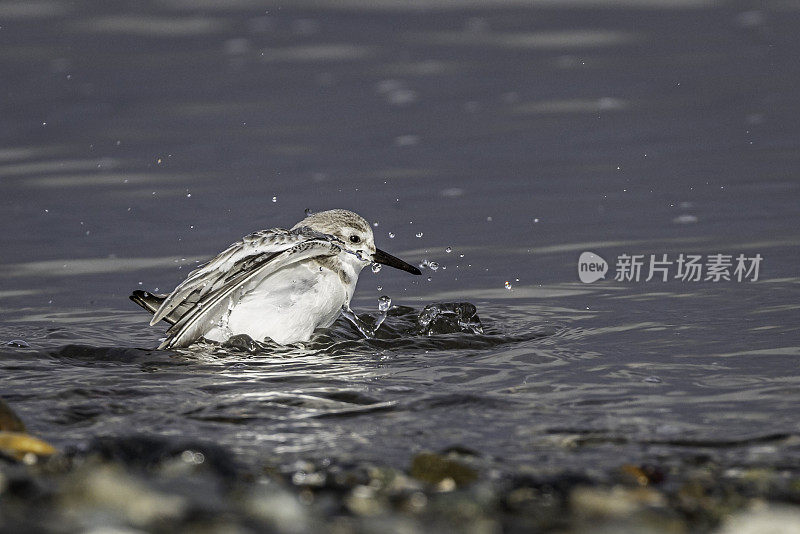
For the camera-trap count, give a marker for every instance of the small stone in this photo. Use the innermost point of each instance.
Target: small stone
(778, 519)
(20, 446)
(110, 490)
(441, 470)
(616, 502)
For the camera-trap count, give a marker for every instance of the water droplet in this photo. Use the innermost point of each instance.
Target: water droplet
(376, 267)
(460, 255)
(375, 224)
(508, 285)
(380, 288)
(274, 199)
(188, 195)
(384, 303)
(391, 235)
(488, 219)
(419, 235)
(536, 220)
(308, 212)
(433, 265)
(448, 250)
(429, 279)
(428, 314)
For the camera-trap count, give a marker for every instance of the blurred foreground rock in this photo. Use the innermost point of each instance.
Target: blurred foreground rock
(148, 484)
(15, 443)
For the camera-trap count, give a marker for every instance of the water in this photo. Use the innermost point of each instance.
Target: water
(495, 141)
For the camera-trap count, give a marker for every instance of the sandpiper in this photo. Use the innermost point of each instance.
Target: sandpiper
(273, 284)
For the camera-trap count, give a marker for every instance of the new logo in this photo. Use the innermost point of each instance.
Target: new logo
(591, 267)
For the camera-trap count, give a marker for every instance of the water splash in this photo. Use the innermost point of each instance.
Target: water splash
(384, 305)
(428, 314)
(222, 324)
(366, 330)
(449, 317)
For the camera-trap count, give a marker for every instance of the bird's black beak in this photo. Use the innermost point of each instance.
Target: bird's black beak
(387, 259)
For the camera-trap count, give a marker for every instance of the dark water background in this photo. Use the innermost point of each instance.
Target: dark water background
(139, 138)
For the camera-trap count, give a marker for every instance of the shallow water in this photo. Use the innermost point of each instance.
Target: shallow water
(558, 387)
(139, 141)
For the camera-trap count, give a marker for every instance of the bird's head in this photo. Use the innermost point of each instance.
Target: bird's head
(355, 236)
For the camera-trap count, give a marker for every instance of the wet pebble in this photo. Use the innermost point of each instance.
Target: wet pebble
(23, 447)
(109, 491)
(445, 472)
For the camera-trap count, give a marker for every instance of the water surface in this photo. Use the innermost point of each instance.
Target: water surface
(138, 141)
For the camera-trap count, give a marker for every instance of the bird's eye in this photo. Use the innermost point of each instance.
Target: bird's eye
(355, 239)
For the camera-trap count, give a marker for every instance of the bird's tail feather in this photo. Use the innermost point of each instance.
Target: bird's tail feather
(151, 302)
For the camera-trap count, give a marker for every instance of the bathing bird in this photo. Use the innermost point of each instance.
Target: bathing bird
(273, 284)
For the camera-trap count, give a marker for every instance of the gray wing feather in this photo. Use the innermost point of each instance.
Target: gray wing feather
(213, 303)
(210, 277)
